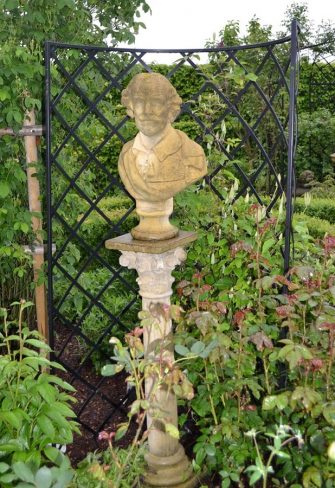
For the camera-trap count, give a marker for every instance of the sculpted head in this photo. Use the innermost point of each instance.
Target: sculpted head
(152, 101)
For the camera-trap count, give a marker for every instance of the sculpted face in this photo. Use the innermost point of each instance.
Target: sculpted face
(151, 111)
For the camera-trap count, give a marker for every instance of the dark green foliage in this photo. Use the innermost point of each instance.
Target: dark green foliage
(322, 208)
(24, 27)
(35, 410)
(15, 263)
(316, 86)
(232, 296)
(102, 470)
(316, 142)
(316, 227)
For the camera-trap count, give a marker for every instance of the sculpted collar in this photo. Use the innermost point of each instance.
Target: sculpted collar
(169, 144)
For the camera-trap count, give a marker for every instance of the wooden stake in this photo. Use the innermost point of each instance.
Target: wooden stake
(35, 206)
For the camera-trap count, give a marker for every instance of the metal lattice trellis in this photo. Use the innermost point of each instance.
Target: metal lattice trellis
(85, 129)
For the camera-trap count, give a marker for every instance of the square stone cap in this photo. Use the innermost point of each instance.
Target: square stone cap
(127, 243)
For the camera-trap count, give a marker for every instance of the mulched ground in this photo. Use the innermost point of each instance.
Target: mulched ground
(99, 394)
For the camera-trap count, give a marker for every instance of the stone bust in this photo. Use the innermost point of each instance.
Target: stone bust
(160, 161)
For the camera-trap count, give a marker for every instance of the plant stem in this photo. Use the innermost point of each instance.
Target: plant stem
(133, 444)
(210, 397)
(330, 361)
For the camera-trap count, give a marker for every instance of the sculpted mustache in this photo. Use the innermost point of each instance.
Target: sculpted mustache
(149, 119)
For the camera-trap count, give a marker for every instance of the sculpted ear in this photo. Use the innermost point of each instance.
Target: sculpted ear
(130, 111)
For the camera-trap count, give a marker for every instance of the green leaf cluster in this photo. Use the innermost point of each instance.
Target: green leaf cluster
(35, 410)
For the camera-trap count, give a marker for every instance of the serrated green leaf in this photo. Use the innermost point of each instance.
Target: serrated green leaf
(269, 402)
(210, 450)
(38, 344)
(312, 478)
(64, 409)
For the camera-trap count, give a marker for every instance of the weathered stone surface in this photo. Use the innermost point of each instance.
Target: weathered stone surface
(167, 464)
(127, 243)
(161, 161)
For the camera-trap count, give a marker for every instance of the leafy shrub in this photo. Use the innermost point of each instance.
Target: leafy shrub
(264, 358)
(322, 208)
(104, 469)
(316, 142)
(316, 227)
(15, 225)
(325, 188)
(34, 410)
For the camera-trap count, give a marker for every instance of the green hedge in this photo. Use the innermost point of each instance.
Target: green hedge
(316, 227)
(321, 208)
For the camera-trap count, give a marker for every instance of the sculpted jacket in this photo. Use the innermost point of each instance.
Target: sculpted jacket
(173, 164)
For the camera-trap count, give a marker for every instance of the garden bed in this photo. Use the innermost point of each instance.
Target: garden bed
(98, 408)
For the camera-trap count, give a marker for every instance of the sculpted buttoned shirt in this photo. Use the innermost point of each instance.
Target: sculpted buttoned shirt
(159, 173)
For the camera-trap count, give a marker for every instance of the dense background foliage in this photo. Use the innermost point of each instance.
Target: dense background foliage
(271, 399)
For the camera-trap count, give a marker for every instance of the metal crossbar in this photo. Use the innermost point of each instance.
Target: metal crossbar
(84, 125)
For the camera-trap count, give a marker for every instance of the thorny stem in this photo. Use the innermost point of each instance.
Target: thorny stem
(240, 350)
(21, 350)
(210, 397)
(133, 444)
(6, 335)
(266, 375)
(304, 323)
(218, 380)
(330, 361)
(273, 453)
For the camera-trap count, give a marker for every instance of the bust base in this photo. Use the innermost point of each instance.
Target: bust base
(154, 221)
(148, 235)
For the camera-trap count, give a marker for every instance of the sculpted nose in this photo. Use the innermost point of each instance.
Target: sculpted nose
(147, 107)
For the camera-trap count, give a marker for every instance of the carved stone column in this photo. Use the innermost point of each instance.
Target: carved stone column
(168, 465)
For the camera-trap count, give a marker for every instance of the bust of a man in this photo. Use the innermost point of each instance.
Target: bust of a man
(160, 161)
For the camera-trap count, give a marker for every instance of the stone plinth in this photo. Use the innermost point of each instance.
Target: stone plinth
(154, 262)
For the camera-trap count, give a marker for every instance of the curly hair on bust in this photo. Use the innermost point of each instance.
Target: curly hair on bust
(156, 81)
